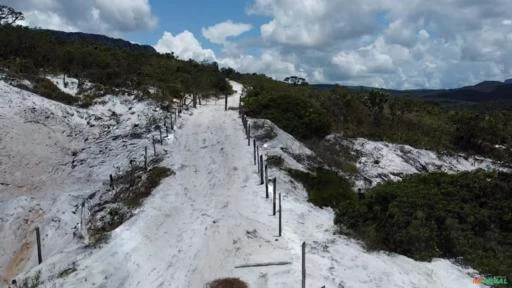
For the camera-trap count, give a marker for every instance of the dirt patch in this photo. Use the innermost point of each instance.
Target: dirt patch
(21, 255)
(228, 283)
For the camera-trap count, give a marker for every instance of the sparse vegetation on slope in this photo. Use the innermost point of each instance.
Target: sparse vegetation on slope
(309, 113)
(30, 52)
(131, 188)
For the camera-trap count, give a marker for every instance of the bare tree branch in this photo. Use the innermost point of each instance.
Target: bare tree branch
(9, 15)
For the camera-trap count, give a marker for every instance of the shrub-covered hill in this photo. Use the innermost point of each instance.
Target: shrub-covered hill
(467, 215)
(308, 113)
(28, 52)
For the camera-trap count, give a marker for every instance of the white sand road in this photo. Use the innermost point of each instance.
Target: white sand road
(199, 223)
(212, 215)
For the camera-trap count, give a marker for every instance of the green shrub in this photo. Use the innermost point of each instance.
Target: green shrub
(275, 161)
(135, 195)
(467, 215)
(47, 89)
(325, 188)
(32, 281)
(295, 113)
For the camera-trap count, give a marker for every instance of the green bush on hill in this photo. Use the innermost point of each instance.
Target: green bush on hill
(290, 108)
(325, 188)
(307, 113)
(467, 215)
(30, 52)
(464, 216)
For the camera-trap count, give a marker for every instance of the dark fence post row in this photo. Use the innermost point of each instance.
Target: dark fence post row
(264, 179)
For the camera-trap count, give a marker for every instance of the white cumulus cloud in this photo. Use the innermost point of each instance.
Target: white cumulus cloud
(185, 46)
(111, 17)
(219, 32)
(389, 43)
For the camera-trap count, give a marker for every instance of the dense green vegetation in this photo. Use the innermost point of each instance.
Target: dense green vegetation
(30, 52)
(308, 113)
(467, 215)
(290, 108)
(325, 188)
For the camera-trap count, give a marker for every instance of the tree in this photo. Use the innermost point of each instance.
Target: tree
(9, 16)
(295, 81)
(375, 102)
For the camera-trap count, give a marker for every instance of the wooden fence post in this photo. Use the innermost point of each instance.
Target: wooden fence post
(257, 155)
(266, 182)
(172, 123)
(226, 102)
(146, 158)
(111, 181)
(280, 216)
(248, 135)
(166, 128)
(303, 264)
(154, 146)
(38, 239)
(161, 139)
(274, 197)
(261, 170)
(254, 146)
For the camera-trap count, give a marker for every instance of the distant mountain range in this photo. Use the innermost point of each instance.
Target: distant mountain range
(487, 91)
(100, 39)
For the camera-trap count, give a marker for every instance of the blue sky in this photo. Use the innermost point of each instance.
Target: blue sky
(193, 15)
(383, 43)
